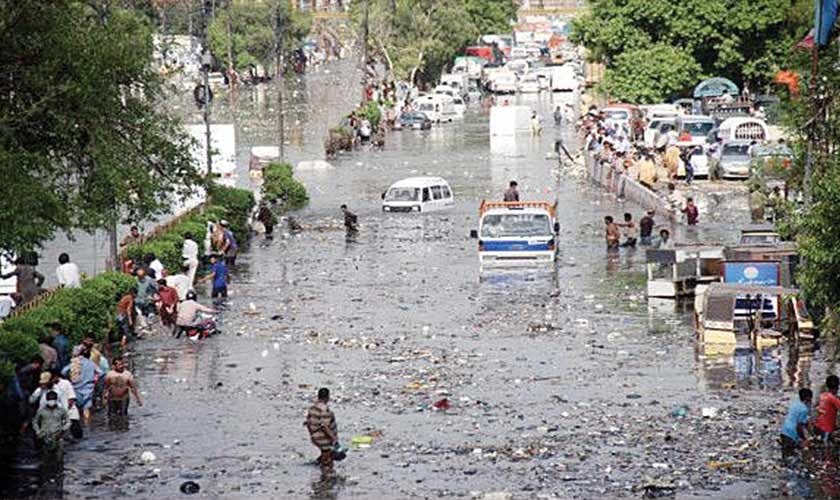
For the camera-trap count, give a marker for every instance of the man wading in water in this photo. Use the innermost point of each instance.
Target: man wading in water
(350, 221)
(323, 431)
(118, 383)
(612, 234)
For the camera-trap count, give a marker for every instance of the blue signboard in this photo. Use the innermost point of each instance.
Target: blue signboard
(751, 273)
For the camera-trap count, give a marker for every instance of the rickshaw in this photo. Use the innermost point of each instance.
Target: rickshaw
(674, 273)
(729, 310)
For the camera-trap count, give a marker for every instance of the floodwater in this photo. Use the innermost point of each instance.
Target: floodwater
(565, 386)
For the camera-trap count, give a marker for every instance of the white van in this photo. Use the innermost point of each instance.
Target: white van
(418, 194)
(697, 126)
(456, 81)
(742, 128)
(503, 82)
(438, 107)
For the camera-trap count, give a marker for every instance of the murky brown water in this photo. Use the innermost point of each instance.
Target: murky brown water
(398, 319)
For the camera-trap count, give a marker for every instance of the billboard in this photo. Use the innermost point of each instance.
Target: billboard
(765, 273)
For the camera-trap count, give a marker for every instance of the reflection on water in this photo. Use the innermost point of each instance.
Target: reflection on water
(731, 366)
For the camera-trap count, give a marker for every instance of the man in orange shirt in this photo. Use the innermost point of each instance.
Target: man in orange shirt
(827, 407)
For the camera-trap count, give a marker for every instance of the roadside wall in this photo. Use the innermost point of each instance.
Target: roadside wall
(627, 188)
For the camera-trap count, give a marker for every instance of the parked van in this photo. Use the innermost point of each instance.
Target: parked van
(418, 194)
(697, 126)
(457, 82)
(742, 128)
(438, 107)
(503, 82)
(653, 111)
(472, 67)
(518, 66)
(652, 130)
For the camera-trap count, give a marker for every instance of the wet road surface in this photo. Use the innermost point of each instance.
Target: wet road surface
(559, 386)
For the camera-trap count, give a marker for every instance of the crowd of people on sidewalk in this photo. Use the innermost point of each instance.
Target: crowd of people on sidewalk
(611, 145)
(56, 393)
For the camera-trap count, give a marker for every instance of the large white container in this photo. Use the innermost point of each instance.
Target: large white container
(510, 120)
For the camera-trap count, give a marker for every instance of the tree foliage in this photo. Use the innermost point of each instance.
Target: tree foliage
(813, 123)
(648, 75)
(492, 16)
(243, 33)
(83, 139)
(739, 39)
(420, 37)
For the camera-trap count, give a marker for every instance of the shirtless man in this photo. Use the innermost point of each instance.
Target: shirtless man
(118, 383)
(612, 234)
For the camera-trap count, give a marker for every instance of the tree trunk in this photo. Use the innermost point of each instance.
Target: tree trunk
(390, 64)
(231, 67)
(416, 68)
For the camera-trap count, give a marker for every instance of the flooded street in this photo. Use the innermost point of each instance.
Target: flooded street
(565, 386)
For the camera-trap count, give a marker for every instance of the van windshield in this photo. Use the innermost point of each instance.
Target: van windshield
(617, 115)
(698, 129)
(403, 194)
(427, 107)
(515, 225)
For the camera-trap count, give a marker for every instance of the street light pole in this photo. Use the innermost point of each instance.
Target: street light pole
(279, 26)
(365, 36)
(206, 60)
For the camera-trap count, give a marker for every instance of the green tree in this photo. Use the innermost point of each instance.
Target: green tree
(243, 33)
(492, 16)
(813, 124)
(83, 137)
(420, 38)
(651, 75)
(740, 39)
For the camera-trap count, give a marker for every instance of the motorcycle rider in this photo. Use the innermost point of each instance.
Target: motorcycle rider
(188, 318)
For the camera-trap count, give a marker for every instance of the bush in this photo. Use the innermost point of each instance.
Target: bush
(7, 370)
(280, 184)
(232, 204)
(372, 113)
(17, 348)
(85, 311)
(339, 139)
(235, 205)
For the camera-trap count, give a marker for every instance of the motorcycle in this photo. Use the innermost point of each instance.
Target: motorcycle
(203, 328)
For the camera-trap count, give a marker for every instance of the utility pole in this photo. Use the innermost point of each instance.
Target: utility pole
(365, 32)
(206, 60)
(279, 26)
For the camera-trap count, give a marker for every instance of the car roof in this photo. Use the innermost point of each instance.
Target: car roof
(522, 210)
(696, 118)
(419, 182)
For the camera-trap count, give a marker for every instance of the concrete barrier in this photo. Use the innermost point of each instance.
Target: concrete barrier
(629, 189)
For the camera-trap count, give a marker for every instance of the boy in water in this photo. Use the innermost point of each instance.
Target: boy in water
(826, 418)
(794, 429)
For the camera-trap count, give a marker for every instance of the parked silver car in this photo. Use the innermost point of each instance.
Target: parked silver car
(734, 162)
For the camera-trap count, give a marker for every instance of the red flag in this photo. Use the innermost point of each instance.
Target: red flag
(807, 43)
